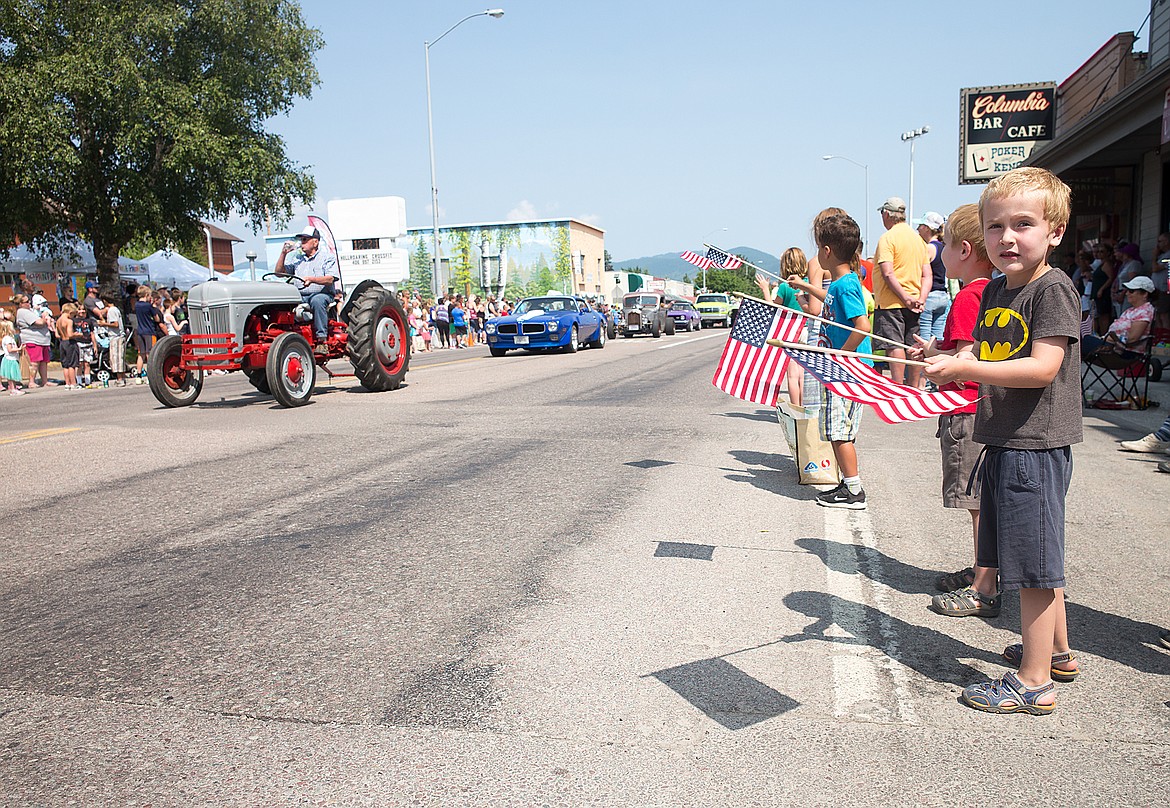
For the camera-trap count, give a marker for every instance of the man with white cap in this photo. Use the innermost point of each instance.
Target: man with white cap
(317, 270)
(900, 286)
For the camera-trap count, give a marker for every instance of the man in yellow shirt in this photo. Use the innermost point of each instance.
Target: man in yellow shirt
(900, 285)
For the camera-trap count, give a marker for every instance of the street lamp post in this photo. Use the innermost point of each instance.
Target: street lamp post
(868, 246)
(495, 13)
(911, 136)
(716, 230)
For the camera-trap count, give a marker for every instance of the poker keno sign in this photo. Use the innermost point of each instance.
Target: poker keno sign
(1000, 126)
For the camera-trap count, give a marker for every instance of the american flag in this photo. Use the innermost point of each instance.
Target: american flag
(1086, 326)
(698, 260)
(750, 368)
(851, 378)
(723, 260)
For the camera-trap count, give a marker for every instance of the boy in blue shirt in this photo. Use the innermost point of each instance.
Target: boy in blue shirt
(838, 239)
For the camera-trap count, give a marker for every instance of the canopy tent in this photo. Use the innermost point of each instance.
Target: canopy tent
(172, 269)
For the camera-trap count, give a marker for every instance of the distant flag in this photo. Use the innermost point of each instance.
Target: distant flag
(723, 260)
(1086, 326)
(851, 378)
(697, 260)
(749, 368)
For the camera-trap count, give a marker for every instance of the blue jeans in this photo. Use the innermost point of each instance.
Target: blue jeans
(319, 303)
(933, 319)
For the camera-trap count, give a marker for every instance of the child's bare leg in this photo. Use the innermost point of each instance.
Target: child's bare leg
(1038, 619)
(846, 454)
(795, 375)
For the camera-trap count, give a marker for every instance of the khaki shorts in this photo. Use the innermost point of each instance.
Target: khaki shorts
(899, 325)
(959, 454)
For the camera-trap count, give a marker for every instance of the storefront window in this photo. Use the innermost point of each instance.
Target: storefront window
(1102, 206)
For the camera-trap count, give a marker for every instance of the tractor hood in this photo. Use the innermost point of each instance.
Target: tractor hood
(218, 293)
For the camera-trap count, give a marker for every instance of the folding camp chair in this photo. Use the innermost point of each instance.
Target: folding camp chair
(1123, 377)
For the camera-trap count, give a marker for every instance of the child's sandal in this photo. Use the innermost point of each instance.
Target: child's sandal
(1015, 655)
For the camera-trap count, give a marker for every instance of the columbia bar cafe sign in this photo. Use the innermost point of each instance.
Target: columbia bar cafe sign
(1000, 126)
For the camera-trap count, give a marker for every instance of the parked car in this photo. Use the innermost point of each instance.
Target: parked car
(644, 313)
(547, 322)
(714, 308)
(685, 316)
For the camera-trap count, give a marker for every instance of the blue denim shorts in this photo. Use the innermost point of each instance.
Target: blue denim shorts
(1021, 515)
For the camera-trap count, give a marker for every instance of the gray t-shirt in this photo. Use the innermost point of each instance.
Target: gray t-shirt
(322, 263)
(1010, 320)
(30, 333)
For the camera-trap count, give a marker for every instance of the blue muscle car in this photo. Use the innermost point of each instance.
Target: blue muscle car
(547, 322)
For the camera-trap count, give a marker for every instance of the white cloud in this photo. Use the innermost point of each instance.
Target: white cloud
(524, 211)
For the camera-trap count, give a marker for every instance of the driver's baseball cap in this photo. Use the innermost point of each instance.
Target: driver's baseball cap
(309, 232)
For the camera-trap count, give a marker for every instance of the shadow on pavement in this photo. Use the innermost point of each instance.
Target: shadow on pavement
(931, 653)
(778, 477)
(725, 693)
(768, 416)
(1092, 631)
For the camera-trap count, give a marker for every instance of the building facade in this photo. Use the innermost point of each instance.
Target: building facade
(566, 253)
(1112, 126)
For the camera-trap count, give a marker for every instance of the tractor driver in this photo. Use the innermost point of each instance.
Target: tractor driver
(317, 270)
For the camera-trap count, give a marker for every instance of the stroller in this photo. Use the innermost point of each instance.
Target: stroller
(101, 357)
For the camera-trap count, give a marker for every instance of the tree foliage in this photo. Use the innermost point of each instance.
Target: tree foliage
(128, 120)
(420, 268)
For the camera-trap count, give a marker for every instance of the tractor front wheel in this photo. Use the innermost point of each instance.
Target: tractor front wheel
(290, 370)
(379, 342)
(172, 385)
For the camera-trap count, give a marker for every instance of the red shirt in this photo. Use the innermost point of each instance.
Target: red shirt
(960, 327)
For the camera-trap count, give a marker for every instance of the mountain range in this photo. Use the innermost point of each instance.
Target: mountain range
(671, 265)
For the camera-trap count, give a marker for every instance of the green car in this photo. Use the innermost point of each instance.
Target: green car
(714, 309)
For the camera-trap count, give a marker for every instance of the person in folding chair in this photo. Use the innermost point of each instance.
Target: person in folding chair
(1120, 360)
(1127, 335)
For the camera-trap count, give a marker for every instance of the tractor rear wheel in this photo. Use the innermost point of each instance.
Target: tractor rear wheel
(172, 385)
(378, 345)
(259, 380)
(291, 371)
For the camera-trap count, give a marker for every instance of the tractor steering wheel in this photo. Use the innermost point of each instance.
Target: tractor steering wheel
(294, 280)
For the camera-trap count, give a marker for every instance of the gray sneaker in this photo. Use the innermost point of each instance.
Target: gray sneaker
(1147, 445)
(840, 497)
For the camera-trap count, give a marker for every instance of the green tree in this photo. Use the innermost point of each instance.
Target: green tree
(125, 120)
(420, 267)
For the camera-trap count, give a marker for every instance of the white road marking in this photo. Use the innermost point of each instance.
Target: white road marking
(868, 682)
(688, 341)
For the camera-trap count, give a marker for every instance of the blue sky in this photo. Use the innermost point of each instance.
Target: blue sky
(662, 122)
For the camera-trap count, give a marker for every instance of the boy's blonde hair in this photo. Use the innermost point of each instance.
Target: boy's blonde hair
(793, 263)
(1057, 195)
(68, 309)
(964, 225)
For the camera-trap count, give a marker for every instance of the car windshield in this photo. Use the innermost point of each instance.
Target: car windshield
(711, 299)
(681, 307)
(641, 300)
(537, 304)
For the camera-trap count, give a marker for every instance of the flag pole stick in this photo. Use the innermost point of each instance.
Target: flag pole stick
(746, 263)
(869, 334)
(799, 346)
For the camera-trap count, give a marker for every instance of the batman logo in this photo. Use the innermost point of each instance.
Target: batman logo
(1004, 322)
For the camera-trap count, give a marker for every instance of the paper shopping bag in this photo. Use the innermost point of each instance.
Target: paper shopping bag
(815, 462)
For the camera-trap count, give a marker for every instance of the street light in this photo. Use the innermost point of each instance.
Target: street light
(912, 136)
(866, 167)
(716, 230)
(495, 13)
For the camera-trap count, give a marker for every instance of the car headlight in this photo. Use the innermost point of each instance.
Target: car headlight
(553, 326)
(490, 328)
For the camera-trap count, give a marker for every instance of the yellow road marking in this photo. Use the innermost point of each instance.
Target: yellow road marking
(39, 433)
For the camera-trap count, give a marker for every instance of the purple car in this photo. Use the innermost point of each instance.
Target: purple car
(685, 316)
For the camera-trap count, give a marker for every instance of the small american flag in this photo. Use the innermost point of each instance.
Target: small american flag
(1086, 326)
(852, 379)
(723, 260)
(749, 368)
(698, 260)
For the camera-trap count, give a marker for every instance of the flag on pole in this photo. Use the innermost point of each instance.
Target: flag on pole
(1086, 326)
(723, 260)
(749, 368)
(852, 379)
(697, 260)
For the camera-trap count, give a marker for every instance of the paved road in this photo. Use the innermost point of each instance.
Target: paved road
(536, 579)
